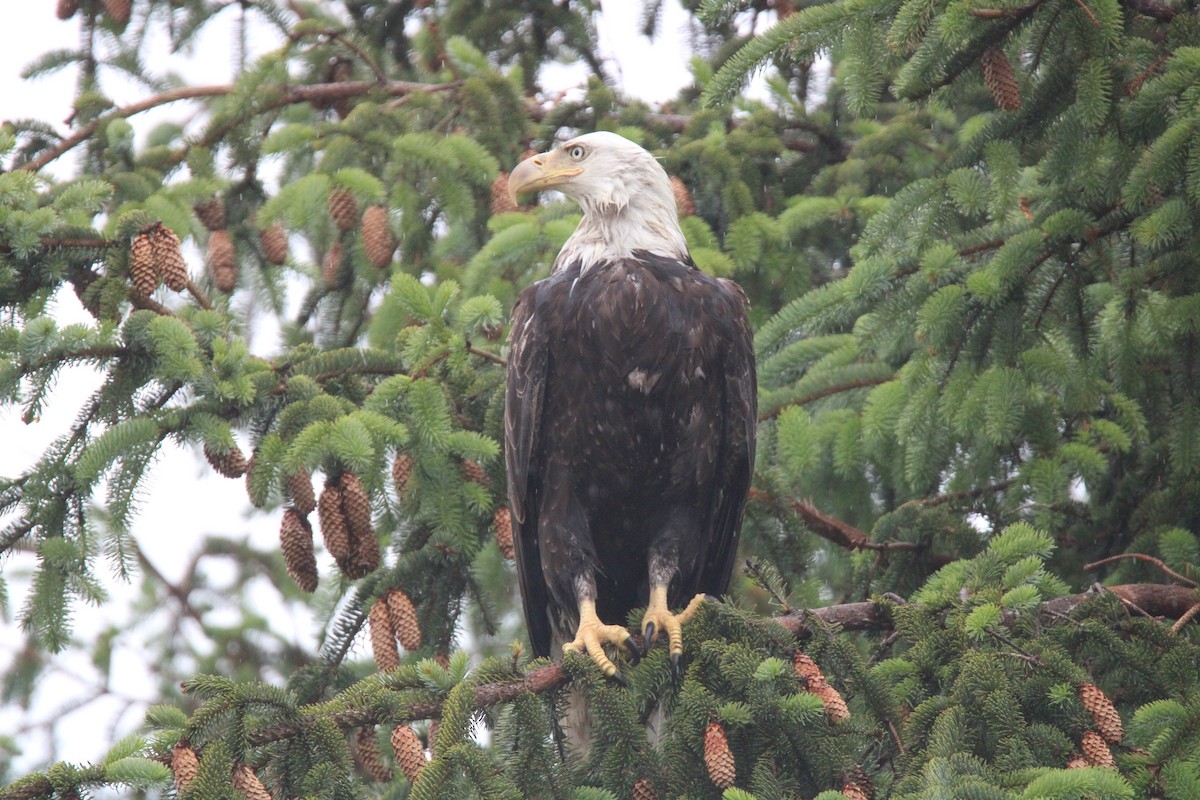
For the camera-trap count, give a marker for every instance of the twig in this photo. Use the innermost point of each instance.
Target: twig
(826, 392)
(1021, 652)
(1143, 557)
(489, 356)
(835, 530)
(1186, 618)
(199, 295)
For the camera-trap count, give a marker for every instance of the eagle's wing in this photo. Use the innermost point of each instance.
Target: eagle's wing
(735, 455)
(522, 422)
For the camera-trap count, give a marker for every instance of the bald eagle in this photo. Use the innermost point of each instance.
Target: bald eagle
(630, 412)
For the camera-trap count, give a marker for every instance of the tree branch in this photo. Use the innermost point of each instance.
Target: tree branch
(838, 531)
(828, 391)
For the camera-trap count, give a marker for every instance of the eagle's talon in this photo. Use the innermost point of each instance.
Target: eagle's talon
(648, 633)
(676, 667)
(631, 650)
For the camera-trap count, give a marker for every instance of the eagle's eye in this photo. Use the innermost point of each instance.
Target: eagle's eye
(577, 152)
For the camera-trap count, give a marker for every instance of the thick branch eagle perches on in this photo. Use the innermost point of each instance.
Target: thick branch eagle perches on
(630, 411)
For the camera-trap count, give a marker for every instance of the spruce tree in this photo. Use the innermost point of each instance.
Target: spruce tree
(966, 230)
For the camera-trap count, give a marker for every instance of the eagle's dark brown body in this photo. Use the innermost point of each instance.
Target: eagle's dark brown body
(630, 423)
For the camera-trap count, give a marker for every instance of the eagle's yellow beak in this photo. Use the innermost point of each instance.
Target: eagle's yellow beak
(543, 171)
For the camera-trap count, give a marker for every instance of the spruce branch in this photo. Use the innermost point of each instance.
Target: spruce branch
(835, 530)
(828, 391)
(1158, 562)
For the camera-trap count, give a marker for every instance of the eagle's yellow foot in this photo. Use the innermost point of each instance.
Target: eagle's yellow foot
(593, 634)
(659, 618)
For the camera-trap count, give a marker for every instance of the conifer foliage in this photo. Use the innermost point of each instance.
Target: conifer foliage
(968, 234)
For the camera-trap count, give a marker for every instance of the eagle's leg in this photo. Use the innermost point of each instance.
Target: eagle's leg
(593, 634)
(659, 618)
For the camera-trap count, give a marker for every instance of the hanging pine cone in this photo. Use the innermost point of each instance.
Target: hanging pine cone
(1104, 714)
(184, 765)
(118, 11)
(1000, 79)
(211, 213)
(67, 8)
(331, 267)
(402, 468)
(815, 683)
(222, 261)
(356, 509)
(684, 203)
(858, 779)
(806, 668)
(718, 758)
(1096, 751)
(854, 792)
(168, 259)
(383, 637)
(474, 472)
(502, 527)
(409, 753)
(231, 463)
(644, 790)
(366, 747)
(1077, 761)
(378, 243)
(333, 525)
(274, 243)
(404, 620)
(343, 209)
(246, 782)
(142, 273)
(296, 542)
(502, 203)
(300, 489)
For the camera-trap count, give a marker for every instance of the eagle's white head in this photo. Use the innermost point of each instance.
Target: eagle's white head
(624, 193)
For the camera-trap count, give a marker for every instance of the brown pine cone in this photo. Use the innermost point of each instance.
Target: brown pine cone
(333, 525)
(1096, 751)
(718, 758)
(502, 528)
(331, 267)
(1077, 761)
(854, 792)
(343, 209)
(402, 468)
(211, 213)
(1000, 79)
(246, 782)
(274, 242)
(296, 542)
(409, 753)
(184, 765)
(300, 488)
(168, 259)
(404, 620)
(366, 747)
(231, 463)
(502, 203)
(383, 637)
(356, 509)
(378, 243)
(1104, 714)
(858, 778)
(474, 472)
(142, 272)
(835, 707)
(222, 260)
(684, 203)
(644, 790)
(118, 11)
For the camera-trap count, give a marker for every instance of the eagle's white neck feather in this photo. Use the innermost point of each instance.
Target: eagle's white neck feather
(627, 205)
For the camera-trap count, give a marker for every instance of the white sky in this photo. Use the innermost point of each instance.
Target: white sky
(184, 499)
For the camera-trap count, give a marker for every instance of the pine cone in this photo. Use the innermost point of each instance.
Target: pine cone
(1000, 79)
(211, 213)
(331, 267)
(366, 747)
(118, 10)
(274, 243)
(474, 472)
(858, 778)
(684, 203)
(1104, 714)
(1077, 761)
(1096, 751)
(66, 9)
(644, 790)
(404, 620)
(502, 527)
(231, 463)
(222, 261)
(502, 203)
(854, 792)
(168, 259)
(184, 765)
(718, 757)
(356, 508)
(806, 668)
(343, 209)
(402, 468)
(246, 782)
(383, 637)
(815, 683)
(333, 525)
(409, 753)
(296, 542)
(142, 273)
(300, 488)
(378, 243)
